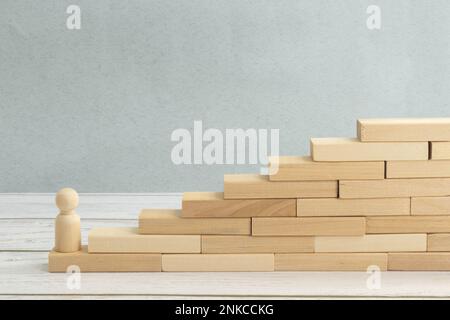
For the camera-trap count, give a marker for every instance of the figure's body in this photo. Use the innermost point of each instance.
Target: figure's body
(67, 224)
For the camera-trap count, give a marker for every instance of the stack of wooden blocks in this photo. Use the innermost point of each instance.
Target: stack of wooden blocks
(382, 199)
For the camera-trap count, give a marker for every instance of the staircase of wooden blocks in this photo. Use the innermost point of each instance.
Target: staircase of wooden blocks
(382, 199)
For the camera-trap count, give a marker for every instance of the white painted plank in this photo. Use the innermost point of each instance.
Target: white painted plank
(25, 273)
(199, 297)
(148, 297)
(37, 234)
(92, 206)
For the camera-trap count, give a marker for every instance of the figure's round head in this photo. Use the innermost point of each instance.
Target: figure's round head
(66, 199)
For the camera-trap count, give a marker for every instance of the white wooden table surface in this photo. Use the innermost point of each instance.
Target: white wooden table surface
(26, 235)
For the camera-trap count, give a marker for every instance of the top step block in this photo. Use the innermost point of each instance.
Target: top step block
(351, 149)
(425, 129)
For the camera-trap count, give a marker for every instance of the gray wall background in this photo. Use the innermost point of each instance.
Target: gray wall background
(94, 108)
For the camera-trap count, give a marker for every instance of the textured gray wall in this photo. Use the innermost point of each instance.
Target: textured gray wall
(94, 108)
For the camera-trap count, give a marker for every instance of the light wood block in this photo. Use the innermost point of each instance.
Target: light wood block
(349, 149)
(430, 206)
(411, 224)
(292, 168)
(353, 207)
(372, 243)
(402, 129)
(247, 244)
(213, 205)
(128, 240)
(253, 186)
(418, 169)
(394, 188)
(440, 150)
(426, 261)
(334, 226)
(167, 221)
(104, 262)
(217, 262)
(329, 261)
(439, 242)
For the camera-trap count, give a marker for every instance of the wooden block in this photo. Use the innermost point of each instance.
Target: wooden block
(425, 261)
(394, 188)
(340, 226)
(430, 206)
(213, 205)
(440, 150)
(104, 262)
(411, 224)
(329, 261)
(291, 168)
(128, 240)
(420, 129)
(439, 242)
(353, 207)
(217, 262)
(348, 149)
(247, 244)
(372, 243)
(166, 221)
(418, 169)
(253, 186)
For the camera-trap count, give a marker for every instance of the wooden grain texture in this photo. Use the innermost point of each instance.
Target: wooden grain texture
(430, 206)
(295, 168)
(217, 262)
(353, 207)
(372, 243)
(329, 261)
(333, 226)
(349, 149)
(418, 169)
(253, 186)
(427, 261)
(394, 188)
(128, 240)
(439, 242)
(213, 205)
(411, 224)
(440, 150)
(104, 262)
(248, 244)
(404, 129)
(169, 221)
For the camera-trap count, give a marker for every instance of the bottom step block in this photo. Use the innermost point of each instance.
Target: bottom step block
(104, 262)
(330, 261)
(151, 262)
(436, 261)
(217, 262)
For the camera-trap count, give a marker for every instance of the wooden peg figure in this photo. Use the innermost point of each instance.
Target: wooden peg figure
(67, 224)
